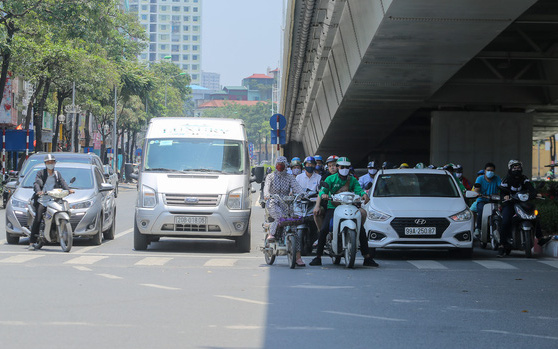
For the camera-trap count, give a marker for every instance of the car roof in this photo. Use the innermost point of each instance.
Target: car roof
(413, 171)
(64, 154)
(67, 165)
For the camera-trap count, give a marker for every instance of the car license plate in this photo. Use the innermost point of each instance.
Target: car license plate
(189, 220)
(420, 231)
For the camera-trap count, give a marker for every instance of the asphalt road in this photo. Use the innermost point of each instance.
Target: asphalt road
(202, 294)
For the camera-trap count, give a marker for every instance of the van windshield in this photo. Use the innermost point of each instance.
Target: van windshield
(195, 155)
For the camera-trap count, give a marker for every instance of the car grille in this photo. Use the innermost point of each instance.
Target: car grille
(22, 219)
(191, 227)
(74, 221)
(191, 200)
(399, 225)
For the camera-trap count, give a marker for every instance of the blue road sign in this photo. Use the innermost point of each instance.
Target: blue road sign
(282, 136)
(277, 118)
(251, 150)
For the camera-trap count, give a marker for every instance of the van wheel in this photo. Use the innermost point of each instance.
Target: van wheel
(140, 240)
(243, 242)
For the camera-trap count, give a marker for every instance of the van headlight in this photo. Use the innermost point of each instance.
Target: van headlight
(148, 197)
(462, 216)
(81, 204)
(234, 199)
(375, 215)
(18, 203)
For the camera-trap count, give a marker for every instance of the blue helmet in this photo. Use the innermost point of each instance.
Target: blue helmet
(318, 158)
(310, 159)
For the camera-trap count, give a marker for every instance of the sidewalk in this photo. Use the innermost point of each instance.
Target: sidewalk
(133, 186)
(551, 248)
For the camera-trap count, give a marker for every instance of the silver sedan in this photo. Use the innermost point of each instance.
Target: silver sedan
(92, 206)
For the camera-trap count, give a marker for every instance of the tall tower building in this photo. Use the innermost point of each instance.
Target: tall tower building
(174, 29)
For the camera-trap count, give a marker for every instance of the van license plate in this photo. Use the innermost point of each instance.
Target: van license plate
(189, 220)
(420, 231)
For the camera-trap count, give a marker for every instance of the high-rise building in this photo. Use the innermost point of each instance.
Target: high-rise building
(174, 30)
(211, 81)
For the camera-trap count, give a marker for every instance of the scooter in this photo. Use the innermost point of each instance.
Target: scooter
(342, 239)
(286, 237)
(490, 222)
(523, 225)
(55, 225)
(303, 208)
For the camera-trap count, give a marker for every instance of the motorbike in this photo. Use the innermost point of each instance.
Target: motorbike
(490, 222)
(55, 225)
(8, 187)
(286, 236)
(303, 208)
(342, 239)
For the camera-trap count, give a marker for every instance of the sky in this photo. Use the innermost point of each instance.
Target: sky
(241, 37)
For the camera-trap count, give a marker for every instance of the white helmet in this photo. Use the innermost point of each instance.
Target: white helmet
(514, 162)
(49, 157)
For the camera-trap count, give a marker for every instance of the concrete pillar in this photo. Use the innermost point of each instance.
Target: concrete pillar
(475, 138)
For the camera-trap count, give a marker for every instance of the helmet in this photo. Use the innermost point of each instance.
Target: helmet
(432, 167)
(481, 172)
(49, 157)
(343, 161)
(387, 165)
(448, 167)
(458, 168)
(310, 159)
(419, 166)
(371, 164)
(331, 158)
(514, 162)
(404, 165)
(317, 158)
(295, 158)
(281, 159)
(295, 162)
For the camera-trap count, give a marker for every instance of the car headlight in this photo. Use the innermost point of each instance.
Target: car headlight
(462, 216)
(375, 215)
(234, 199)
(81, 204)
(19, 203)
(148, 197)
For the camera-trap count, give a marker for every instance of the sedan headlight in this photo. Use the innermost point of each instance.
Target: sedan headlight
(234, 199)
(375, 215)
(81, 204)
(462, 216)
(19, 203)
(148, 197)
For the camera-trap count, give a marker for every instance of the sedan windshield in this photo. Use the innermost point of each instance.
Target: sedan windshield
(195, 155)
(36, 160)
(84, 178)
(415, 185)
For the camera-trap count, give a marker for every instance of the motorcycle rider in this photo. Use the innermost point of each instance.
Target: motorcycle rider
(281, 183)
(319, 164)
(331, 164)
(309, 180)
(296, 166)
(459, 175)
(341, 182)
(489, 184)
(369, 177)
(46, 180)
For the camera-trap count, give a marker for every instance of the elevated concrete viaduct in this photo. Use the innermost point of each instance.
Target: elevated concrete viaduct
(434, 81)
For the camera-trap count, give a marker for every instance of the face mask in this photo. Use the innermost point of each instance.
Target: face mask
(516, 173)
(459, 175)
(344, 172)
(296, 171)
(319, 167)
(310, 169)
(372, 171)
(50, 166)
(280, 167)
(489, 174)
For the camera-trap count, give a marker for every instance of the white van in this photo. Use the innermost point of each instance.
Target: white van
(194, 181)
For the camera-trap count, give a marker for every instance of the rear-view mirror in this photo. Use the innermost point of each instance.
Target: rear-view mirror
(471, 194)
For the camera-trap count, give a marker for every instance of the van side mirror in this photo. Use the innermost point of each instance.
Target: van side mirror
(259, 173)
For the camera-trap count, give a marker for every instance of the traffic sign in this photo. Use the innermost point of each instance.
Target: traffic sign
(282, 137)
(277, 119)
(251, 150)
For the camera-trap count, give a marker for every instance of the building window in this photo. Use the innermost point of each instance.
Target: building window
(186, 18)
(144, 17)
(153, 28)
(152, 37)
(176, 9)
(143, 56)
(195, 18)
(176, 18)
(185, 66)
(153, 18)
(196, 28)
(175, 48)
(152, 47)
(185, 47)
(175, 38)
(185, 28)
(186, 37)
(185, 57)
(175, 58)
(186, 8)
(164, 8)
(152, 56)
(195, 47)
(195, 9)
(194, 57)
(164, 27)
(195, 37)
(164, 37)
(163, 47)
(194, 67)
(144, 7)
(164, 17)
(175, 29)
(153, 8)
(194, 76)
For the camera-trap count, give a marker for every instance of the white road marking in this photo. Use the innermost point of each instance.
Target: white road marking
(21, 258)
(85, 260)
(89, 248)
(243, 327)
(141, 254)
(411, 301)
(13, 323)
(153, 261)
(553, 264)
(495, 265)
(428, 264)
(80, 268)
(318, 287)
(161, 287)
(472, 310)
(304, 328)
(110, 276)
(220, 262)
(243, 300)
(59, 323)
(520, 334)
(119, 235)
(365, 316)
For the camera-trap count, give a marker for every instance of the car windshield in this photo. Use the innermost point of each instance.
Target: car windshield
(415, 185)
(33, 161)
(84, 178)
(195, 155)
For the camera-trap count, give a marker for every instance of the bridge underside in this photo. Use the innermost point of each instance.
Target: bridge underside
(363, 77)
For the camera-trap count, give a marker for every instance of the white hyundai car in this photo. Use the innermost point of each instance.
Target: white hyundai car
(418, 209)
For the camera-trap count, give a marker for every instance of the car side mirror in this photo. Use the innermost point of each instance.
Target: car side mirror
(106, 187)
(471, 194)
(368, 186)
(72, 180)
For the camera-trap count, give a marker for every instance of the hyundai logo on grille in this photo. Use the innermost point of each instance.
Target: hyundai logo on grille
(420, 221)
(191, 200)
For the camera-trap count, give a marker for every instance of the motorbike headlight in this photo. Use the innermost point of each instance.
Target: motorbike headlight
(18, 203)
(523, 197)
(81, 204)
(524, 215)
(148, 197)
(234, 199)
(375, 215)
(462, 216)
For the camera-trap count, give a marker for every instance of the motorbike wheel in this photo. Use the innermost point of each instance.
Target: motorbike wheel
(291, 251)
(528, 238)
(262, 204)
(350, 249)
(65, 235)
(494, 235)
(268, 254)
